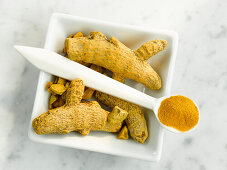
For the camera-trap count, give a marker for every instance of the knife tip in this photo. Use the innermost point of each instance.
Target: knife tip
(18, 47)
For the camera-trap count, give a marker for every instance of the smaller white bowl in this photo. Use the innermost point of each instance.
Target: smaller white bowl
(60, 27)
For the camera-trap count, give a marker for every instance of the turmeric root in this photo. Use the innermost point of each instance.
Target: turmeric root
(116, 57)
(58, 88)
(150, 48)
(52, 99)
(119, 78)
(123, 134)
(58, 103)
(88, 93)
(77, 116)
(61, 81)
(135, 120)
(79, 34)
(49, 84)
(135, 113)
(75, 92)
(115, 120)
(117, 115)
(66, 85)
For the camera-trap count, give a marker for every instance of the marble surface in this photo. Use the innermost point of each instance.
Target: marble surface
(200, 72)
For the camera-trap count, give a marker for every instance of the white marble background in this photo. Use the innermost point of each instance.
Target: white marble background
(200, 72)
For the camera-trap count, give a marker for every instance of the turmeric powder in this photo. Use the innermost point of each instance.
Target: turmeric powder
(178, 112)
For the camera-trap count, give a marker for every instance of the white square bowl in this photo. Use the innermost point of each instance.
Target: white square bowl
(60, 27)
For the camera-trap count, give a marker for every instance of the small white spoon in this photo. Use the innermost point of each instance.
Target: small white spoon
(58, 65)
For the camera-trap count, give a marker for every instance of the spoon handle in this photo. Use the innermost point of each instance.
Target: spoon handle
(58, 65)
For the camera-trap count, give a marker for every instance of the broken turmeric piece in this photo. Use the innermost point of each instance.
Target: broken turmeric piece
(51, 92)
(76, 116)
(67, 85)
(116, 57)
(58, 88)
(123, 134)
(52, 99)
(75, 92)
(79, 34)
(56, 80)
(135, 120)
(115, 120)
(49, 84)
(117, 115)
(61, 81)
(58, 103)
(88, 93)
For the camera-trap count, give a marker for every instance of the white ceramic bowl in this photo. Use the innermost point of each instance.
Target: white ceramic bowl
(60, 27)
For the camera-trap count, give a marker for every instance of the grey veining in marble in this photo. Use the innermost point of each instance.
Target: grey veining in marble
(200, 72)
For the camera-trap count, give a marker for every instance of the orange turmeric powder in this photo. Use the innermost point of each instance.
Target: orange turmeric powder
(178, 112)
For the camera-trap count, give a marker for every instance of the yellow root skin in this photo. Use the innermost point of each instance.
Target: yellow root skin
(52, 99)
(117, 115)
(67, 85)
(58, 88)
(115, 120)
(114, 56)
(140, 134)
(62, 120)
(88, 93)
(61, 81)
(79, 34)
(77, 116)
(135, 120)
(51, 92)
(119, 78)
(150, 48)
(58, 103)
(109, 127)
(123, 134)
(73, 116)
(81, 117)
(75, 92)
(49, 84)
